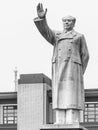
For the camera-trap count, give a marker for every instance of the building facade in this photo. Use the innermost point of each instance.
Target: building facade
(8, 110)
(31, 106)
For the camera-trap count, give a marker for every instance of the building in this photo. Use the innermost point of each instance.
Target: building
(31, 106)
(8, 111)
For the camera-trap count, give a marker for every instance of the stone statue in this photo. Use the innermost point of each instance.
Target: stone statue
(69, 62)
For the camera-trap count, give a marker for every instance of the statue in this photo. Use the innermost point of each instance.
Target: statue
(69, 62)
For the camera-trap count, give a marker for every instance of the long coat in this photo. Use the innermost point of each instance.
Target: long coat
(69, 61)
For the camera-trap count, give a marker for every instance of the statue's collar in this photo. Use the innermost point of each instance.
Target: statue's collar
(69, 34)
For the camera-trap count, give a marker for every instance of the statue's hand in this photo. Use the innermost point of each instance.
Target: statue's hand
(40, 11)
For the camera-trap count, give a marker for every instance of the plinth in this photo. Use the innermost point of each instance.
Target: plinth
(62, 127)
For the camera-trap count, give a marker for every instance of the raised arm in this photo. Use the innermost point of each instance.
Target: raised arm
(41, 24)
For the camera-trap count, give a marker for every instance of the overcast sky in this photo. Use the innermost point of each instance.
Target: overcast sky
(22, 46)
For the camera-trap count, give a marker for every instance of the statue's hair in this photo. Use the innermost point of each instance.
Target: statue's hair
(69, 17)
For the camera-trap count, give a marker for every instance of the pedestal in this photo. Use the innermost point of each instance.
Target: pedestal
(62, 127)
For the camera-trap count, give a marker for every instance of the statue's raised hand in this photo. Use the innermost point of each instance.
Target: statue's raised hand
(40, 11)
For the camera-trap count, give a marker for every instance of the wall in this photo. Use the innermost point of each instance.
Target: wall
(31, 106)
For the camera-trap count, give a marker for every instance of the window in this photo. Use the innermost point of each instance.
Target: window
(10, 114)
(91, 112)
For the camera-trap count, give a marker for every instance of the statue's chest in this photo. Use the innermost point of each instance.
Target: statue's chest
(64, 43)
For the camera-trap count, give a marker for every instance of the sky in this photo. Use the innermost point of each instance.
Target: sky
(22, 46)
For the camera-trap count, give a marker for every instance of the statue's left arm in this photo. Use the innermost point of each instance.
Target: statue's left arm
(84, 53)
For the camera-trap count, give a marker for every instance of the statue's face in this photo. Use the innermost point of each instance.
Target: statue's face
(68, 24)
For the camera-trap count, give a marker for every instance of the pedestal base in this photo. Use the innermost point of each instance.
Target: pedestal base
(62, 127)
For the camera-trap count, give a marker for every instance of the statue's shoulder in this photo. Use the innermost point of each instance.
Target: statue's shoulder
(78, 33)
(57, 34)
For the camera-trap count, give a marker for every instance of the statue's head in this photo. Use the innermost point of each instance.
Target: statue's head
(68, 22)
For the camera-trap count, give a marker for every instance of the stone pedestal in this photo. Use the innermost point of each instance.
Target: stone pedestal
(62, 127)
